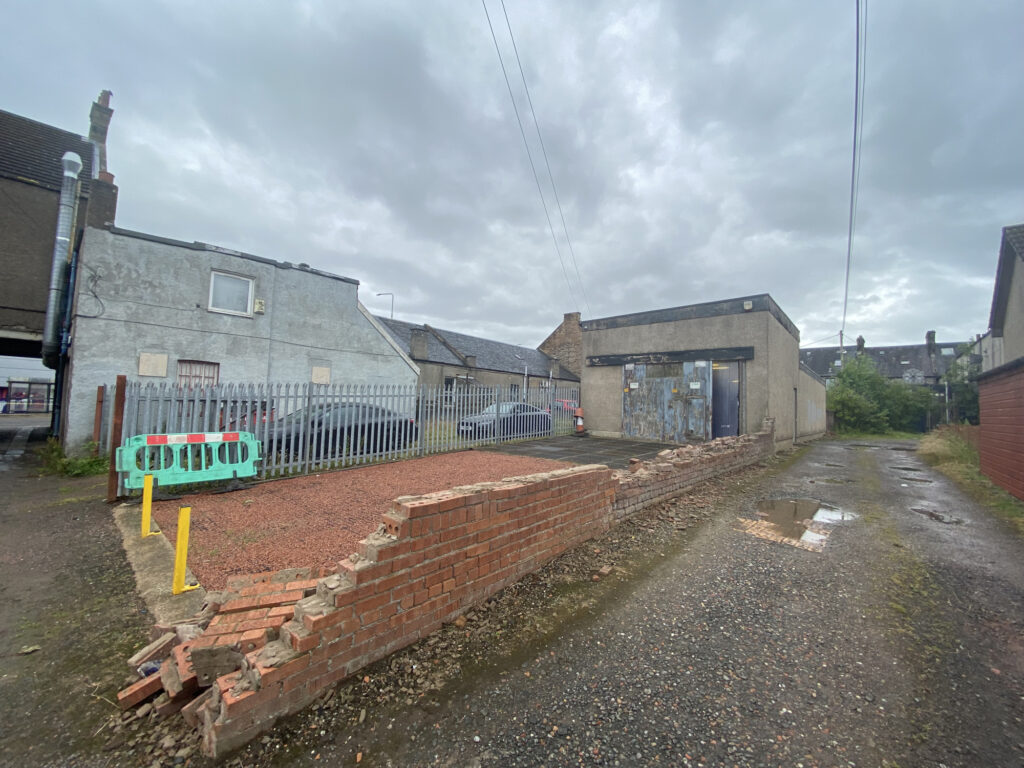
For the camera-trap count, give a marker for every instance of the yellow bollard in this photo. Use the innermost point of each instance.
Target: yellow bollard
(147, 505)
(181, 553)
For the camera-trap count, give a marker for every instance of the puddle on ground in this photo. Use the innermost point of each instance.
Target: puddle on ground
(838, 466)
(898, 468)
(916, 480)
(803, 523)
(937, 516)
(901, 448)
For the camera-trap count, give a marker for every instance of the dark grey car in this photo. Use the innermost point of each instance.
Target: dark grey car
(341, 429)
(508, 420)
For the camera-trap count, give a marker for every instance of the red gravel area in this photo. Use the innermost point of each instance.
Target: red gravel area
(319, 519)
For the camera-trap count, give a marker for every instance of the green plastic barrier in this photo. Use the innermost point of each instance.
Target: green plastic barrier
(188, 458)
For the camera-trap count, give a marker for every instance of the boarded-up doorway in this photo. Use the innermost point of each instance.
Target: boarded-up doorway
(670, 402)
(725, 399)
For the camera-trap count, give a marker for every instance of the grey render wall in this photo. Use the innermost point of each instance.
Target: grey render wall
(1013, 322)
(811, 414)
(783, 384)
(601, 386)
(434, 374)
(138, 295)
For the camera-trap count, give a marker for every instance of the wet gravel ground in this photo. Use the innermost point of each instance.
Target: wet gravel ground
(677, 639)
(898, 645)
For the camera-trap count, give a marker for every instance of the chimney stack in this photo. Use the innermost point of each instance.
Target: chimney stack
(102, 207)
(417, 343)
(99, 122)
(860, 344)
(929, 340)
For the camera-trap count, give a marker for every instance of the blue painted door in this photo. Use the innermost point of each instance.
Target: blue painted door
(670, 402)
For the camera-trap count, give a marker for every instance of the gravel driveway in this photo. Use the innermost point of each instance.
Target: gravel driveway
(899, 644)
(318, 519)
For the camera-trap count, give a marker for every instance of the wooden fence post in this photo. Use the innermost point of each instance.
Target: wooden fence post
(115, 439)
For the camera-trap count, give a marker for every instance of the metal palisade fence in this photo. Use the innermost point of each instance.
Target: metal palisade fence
(306, 428)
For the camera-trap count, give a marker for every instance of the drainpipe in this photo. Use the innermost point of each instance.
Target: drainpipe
(65, 337)
(62, 244)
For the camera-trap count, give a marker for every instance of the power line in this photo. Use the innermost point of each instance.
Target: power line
(529, 155)
(811, 343)
(855, 163)
(544, 151)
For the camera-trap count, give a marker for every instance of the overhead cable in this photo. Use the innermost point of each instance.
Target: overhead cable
(544, 151)
(529, 155)
(858, 119)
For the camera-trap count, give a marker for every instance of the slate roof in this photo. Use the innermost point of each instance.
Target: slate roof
(892, 362)
(31, 151)
(1011, 253)
(490, 355)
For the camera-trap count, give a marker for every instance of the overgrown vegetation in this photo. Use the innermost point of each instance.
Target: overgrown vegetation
(56, 463)
(958, 460)
(963, 387)
(865, 401)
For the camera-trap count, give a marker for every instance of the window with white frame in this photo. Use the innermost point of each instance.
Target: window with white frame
(197, 373)
(231, 294)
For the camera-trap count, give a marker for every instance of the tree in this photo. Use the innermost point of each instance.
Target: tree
(857, 397)
(865, 401)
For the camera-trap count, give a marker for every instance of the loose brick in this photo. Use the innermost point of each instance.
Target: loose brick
(159, 649)
(140, 691)
(190, 712)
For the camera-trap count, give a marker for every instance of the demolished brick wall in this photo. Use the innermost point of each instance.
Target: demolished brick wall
(281, 638)
(435, 557)
(675, 470)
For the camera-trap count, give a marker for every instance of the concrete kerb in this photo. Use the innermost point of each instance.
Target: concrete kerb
(152, 560)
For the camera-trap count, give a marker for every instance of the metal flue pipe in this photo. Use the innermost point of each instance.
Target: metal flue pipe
(58, 269)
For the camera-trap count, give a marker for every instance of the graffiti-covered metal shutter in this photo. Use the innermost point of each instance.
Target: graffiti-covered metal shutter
(670, 402)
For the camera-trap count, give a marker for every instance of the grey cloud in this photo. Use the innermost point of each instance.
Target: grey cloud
(700, 151)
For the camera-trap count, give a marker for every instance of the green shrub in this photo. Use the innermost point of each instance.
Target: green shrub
(865, 401)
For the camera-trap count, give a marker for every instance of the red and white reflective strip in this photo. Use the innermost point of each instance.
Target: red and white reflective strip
(198, 437)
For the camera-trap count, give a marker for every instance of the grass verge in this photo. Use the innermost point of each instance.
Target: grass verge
(958, 460)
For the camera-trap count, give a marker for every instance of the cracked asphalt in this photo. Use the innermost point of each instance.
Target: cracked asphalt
(898, 645)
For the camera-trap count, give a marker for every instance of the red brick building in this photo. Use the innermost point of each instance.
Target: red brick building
(1001, 390)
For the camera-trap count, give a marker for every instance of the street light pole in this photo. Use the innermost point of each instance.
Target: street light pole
(388, 293)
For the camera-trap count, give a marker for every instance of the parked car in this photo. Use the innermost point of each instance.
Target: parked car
(336, 429)
(506, 420)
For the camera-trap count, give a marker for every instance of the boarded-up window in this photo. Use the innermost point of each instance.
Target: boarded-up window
(197, 373)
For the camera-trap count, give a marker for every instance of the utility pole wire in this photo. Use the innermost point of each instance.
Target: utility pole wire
(544, 151)
(855, 166)
(529, 155)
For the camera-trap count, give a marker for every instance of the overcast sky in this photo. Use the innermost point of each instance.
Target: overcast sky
(701, 151)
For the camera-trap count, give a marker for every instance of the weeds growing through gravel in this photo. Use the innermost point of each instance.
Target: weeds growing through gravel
(56, 463)
(959, 461)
